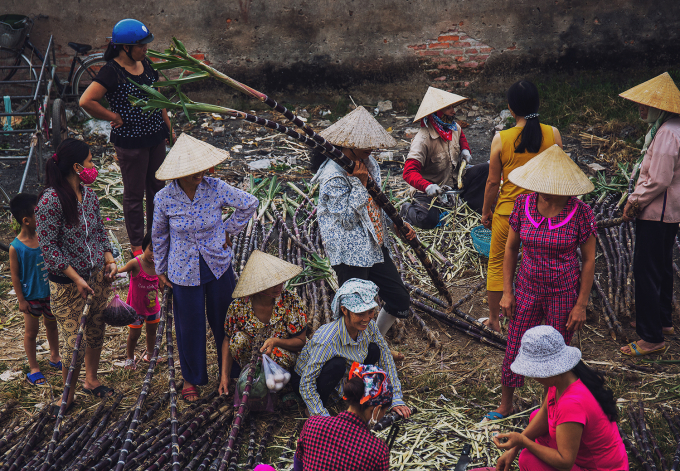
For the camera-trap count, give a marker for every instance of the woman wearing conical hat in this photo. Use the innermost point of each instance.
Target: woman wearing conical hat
(435, 159)
(190, 250)
(261, 306)
(655, 206)
(353, 227)
(551, 286)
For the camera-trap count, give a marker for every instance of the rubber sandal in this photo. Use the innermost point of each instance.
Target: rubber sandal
(491, 416)
(147, 359)
(54, 412)
(130, 364)
(100, 391)
(37, 376)
(191, 391)
(636, 351)
(57, 365)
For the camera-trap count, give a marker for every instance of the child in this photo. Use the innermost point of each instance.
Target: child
(29, 279)
(143, 297)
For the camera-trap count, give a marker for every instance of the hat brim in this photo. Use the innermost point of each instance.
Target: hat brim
(560, 363)
(146, 40)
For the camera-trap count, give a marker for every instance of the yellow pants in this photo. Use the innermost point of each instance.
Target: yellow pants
(499, 236)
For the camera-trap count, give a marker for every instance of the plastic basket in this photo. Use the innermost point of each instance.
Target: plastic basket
(13, 30)
(481, 239)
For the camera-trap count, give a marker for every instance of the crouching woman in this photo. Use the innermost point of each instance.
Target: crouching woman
(352, 337)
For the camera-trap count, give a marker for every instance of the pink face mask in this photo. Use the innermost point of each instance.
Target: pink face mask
(88, 175)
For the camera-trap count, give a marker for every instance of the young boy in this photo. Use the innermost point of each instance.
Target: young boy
(29, 279)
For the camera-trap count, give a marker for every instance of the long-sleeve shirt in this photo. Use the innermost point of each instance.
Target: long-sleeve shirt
(81, 246)
(333, 340)
(185, 229)
(658, 188)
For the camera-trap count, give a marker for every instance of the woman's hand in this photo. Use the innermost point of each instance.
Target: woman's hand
(410, 235)
(83, 288)
(269, 345)
(360, 171)
(577, 317)
(227, 240)
(504, 463)
(224, 384)
(514, 440)
(508, 304)
(110, 271)
(117, 121)
(487, 219)
(403, 411)
(163, 281)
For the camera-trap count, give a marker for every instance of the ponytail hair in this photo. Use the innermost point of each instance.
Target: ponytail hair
(354, 391)
(112, 51)
(57, 170)
(524, 101)
(595, 383)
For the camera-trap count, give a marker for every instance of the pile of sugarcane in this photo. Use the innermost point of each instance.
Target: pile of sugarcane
(645, 448)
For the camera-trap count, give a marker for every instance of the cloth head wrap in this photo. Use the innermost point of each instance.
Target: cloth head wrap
(377, 387)
(655, 118)
(356, 295)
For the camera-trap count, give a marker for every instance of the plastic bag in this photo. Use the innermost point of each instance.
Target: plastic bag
(117, 252)
(276, 376)
(260, 398)
(118, 313)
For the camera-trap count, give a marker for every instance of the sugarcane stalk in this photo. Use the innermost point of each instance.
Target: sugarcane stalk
(647, 438)
(634, 428)
(603, 224)
(216, 445)
(400, 326)
(200, 445)
(606, 308)
(640, 421)
(147, 382)
(263, 444)
(251, 445)
(289, 443)
(246, 243)
(234, 456)
(326, 302)
(33, 440)
(11, 434)
(173, 390)
(633, 449)
(316, 312)
(67, 384)
(428, 332)
(671, 425)
(610, 278)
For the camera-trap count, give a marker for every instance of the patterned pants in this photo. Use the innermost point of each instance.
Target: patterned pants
(67, 307)
(530, 311)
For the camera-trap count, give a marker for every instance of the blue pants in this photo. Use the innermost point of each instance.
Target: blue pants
(190, 305)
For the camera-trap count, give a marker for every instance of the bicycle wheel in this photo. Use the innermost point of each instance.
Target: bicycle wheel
(59, 130)
(85, 75)
(16, 70)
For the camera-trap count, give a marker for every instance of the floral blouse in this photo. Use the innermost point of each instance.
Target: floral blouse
(241, 326)
(184, 229)
(81, 246)
(346, 220)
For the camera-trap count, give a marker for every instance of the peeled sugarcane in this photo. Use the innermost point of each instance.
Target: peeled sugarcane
(177, 56)
(263, 444)
(428, 332)
(67, 384)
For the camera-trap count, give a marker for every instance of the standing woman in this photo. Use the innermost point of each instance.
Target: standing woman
(139, 137)
(191, 253)
(551, 285)
(510, 149)
(655, 206)
(78, 257)
(353, 227)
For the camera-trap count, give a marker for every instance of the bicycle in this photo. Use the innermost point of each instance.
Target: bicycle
(17, 68)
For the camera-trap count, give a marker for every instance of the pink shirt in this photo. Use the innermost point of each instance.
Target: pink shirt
(143, 292)
(601, 446)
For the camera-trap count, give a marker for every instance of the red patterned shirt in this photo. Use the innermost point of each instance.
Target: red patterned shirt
(82, 245)
(340, 443)
(549, 260)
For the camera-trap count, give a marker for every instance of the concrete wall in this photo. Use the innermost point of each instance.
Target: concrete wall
(292, 46)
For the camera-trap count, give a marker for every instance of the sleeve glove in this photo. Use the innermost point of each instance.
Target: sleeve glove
(433, 190)
(466, 155)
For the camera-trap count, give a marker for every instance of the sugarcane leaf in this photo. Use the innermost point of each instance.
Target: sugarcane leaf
(179, 45)
(184, 106)
(172, 64)
(181, 81)
(167, 55)
(149, 90)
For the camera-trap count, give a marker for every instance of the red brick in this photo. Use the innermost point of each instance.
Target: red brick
(464, 36)
(461, 59)
(470, 64)
(470, 50)
(199, 56)
(485, 49)
(427, 53)
(479, 57)
(447, 67)
(511, 48)
(443, 39)
(418, 47)
(437, 45)
(455, 52)
(442, 78)
(461, 44)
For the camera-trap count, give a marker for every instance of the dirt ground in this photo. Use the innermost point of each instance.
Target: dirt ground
(462, 371)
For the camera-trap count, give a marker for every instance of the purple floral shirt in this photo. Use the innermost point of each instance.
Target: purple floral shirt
(184, 229)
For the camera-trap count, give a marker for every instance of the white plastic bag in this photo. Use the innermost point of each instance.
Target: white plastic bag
(276, 376)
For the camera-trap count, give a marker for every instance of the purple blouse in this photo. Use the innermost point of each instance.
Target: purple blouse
(184, 229)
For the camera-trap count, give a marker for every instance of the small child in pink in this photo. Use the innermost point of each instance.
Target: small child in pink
(143, 297)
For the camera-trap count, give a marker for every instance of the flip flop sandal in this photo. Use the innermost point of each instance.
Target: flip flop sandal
(637, 351)
(33, 378)
(147, 359)
(99, 391)
(191, 391)
(54, 412)
(491, 416)
(57, 366)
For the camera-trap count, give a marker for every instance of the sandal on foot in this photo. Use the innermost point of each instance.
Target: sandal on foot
(491, 416)
(57, 365)
(147, 359)
(191, 391)
(291, 401)
(637, 351)
(397, 356)
(54, 412)
(99, 391)
(130, 364)
(33, 378)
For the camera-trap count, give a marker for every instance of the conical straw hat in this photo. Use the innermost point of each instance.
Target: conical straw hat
(552, 172)
(263, 271)
(358, 130)
(660, 92)
(436, 99)
(188, 156)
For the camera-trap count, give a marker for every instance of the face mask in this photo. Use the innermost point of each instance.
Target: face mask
(88, 175)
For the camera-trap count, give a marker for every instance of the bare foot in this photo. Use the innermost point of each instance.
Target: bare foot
(493, 325)
(665, 330)
(397, 356)
(644, 347)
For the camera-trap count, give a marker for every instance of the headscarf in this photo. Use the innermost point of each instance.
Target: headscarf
(377, 387)
(439, 122)
(655, 118)
(356, 295)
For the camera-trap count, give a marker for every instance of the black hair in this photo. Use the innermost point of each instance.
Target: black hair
(523, 100)
(70, 151)
(23, 206)
(594, 381)
(316, 159)
(146, 241)
(354, 391)
(112, 51)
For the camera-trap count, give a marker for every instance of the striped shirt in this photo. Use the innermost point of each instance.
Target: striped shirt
(333, 340)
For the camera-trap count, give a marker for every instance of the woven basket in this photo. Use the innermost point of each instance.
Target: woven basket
(13, 30)
(481, 239)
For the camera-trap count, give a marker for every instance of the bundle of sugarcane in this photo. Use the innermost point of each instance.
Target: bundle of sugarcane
(647, 446)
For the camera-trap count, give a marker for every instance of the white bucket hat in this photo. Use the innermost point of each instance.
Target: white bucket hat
(543, 354)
